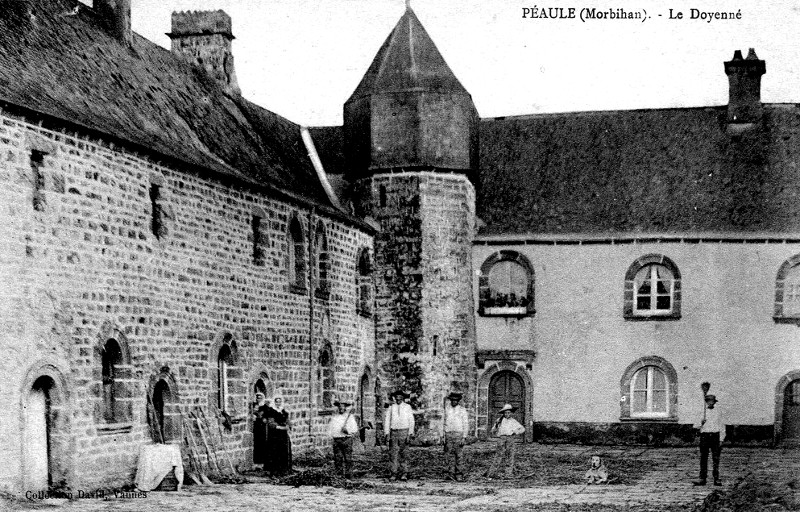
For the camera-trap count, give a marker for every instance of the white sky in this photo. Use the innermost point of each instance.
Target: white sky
(303, 58)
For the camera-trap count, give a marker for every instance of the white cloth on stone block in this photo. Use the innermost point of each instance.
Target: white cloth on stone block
(155, 462)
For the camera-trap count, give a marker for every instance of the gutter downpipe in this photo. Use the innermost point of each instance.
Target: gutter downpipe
(317, 164)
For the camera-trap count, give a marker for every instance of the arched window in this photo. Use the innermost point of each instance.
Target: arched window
(649, 389)
(322, 267)
(652, 289)
(325, 377)
(224, 360)
(364, 300)
(297, 256)
(113, 410)
(787, 292)
(111, 359)
(506, 285)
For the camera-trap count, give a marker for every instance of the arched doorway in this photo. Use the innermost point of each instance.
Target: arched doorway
(790, 432)
(260, 387)
(38, 440)
(506, 387)
(164, 414)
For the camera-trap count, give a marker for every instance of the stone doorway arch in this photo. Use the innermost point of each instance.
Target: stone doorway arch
(45, 429)
(787, 410)
(507, 372)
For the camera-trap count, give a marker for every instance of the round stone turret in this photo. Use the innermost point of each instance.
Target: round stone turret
(410, 111)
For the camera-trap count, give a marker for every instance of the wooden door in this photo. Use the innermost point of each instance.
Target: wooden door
(791, 413)
(506, 387)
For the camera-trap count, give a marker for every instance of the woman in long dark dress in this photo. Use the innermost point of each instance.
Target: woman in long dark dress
(279, 446)
(260, 412)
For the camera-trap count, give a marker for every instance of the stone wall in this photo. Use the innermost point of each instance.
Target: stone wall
(80, 263)
(424, 324)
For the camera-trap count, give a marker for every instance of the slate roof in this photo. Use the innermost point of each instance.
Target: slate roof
(638, 171)
(408, 61)
(69, 68)
(666, 171)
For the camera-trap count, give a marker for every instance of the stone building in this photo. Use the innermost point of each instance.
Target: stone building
(168, 248)
(619, 258)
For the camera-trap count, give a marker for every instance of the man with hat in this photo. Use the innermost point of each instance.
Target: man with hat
(506, 428)
(341, 429)
(456, 425)
(398, 426)
(712, 434)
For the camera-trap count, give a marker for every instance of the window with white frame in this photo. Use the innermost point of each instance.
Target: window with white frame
(653, 286)
(649, 393)
(652, 289)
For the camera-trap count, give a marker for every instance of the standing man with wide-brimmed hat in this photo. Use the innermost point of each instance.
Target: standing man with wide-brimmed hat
(507, 429)
(398, 426)
(712, 434)
(341, 429)
(456, 425)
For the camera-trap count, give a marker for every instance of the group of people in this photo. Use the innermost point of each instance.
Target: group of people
(273, 451)
(398, 428)
(272, 448)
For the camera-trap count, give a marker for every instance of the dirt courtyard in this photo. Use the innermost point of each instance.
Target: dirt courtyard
(548, 477)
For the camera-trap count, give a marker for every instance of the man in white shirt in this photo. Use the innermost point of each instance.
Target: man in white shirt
(712, 434)
(341, 429)
(507, 429)
(398, 426)
(456, 425)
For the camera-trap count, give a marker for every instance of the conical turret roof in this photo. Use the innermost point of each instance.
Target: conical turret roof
(408, 61)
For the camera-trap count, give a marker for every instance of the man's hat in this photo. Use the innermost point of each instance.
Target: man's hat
(507, 407)
(712, 397)
(397, 392)
(454, 396)
(345, 403)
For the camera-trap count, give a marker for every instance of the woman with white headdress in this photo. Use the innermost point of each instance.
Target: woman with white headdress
(279, 447)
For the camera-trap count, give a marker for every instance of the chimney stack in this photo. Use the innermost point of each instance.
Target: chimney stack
(116, 16)
(204, 39)
(744, 77)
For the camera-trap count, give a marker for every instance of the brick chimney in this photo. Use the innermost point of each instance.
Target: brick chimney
(204, 39)
(744, 77)
(116, 16)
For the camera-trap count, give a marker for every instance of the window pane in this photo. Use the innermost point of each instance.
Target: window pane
(644, 287)
(663, 273)
(508, 283)
(791, 294)
(659, 401)
(643, 302)
(659, 380)
(639, 401)
(663, 302)
(662, 287)
(640, 380)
